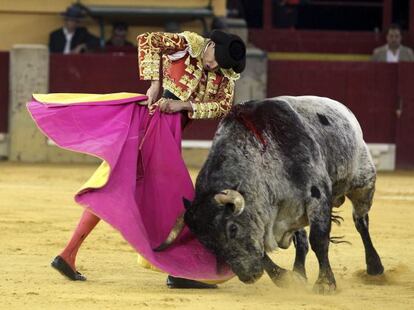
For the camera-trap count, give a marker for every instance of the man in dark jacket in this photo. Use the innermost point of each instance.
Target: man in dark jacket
(118, 42)
(71, 38)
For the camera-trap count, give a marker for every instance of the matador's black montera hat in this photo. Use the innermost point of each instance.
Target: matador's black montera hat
(230, 50)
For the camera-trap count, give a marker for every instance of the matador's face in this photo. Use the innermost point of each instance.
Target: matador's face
(209, 61)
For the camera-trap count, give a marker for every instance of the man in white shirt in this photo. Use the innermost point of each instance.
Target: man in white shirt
(68, 36)
(393, 51)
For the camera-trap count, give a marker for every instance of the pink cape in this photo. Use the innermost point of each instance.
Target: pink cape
(148, 178)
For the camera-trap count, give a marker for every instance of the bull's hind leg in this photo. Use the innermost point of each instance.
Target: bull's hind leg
(319, 216)
(362, 200)
(300, 240)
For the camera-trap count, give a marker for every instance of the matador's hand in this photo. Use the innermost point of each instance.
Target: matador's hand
(152, 93)
(173, 106)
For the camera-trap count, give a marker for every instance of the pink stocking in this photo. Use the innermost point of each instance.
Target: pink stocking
(86, 224)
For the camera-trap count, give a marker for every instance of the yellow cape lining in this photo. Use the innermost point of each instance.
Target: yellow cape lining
(73, 98)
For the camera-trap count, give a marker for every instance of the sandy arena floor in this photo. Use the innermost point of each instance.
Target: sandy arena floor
(37, 215)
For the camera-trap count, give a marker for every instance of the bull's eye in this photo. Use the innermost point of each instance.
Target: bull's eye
(232, 231)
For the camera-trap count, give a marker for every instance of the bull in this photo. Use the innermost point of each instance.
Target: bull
(276, 166)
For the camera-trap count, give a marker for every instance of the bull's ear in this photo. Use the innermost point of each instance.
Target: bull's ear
(187, 203)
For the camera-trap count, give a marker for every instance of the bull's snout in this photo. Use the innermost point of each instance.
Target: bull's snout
(249, 275)
(251, 278)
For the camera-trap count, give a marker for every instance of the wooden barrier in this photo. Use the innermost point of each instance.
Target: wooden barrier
(368, 89)
(95, 73)
(373, 91)
(405, 123)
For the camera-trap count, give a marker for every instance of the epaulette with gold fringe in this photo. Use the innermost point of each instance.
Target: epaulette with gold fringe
(196, 43)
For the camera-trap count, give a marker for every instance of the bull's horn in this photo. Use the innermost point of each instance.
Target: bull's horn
(233, 197)
(175, 232)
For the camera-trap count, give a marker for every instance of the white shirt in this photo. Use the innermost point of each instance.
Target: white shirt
(68, 37)
(177, 55)
(391, 57)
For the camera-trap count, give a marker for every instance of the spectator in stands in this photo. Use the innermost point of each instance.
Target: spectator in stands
(118, 41)
(71, 38)
(393, 51)
(286, 13)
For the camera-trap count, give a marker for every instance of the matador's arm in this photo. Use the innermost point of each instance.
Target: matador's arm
(150, 47)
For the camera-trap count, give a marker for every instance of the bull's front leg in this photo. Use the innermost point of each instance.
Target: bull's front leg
(280, 276)
(319, 215)
(274, 271)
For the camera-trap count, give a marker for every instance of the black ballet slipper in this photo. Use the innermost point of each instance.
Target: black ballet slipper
(63, 267)
(173, 282)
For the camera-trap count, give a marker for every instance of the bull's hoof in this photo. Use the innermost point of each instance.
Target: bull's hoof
(301, 271)
(324, 288)
(375, 269)
(289, 279)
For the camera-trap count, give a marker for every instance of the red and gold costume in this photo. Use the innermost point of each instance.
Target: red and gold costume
(210, 92)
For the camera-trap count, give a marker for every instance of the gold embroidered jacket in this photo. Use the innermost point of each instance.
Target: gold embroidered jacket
(210, 93)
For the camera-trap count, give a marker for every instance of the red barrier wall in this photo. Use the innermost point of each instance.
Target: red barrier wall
(405, 124)
(200, 130)
(371, 90)
(368, 89)
(4, 91)
(95, 73)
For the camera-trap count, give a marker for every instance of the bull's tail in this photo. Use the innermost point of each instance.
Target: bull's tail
(337, 219)
(338, 239)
